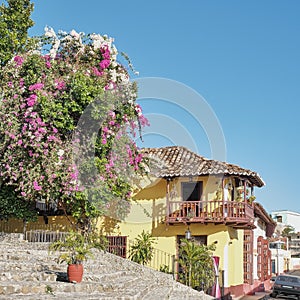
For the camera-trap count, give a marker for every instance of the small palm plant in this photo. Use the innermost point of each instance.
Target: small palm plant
(195, 264)
(74, 249)
(142, 249)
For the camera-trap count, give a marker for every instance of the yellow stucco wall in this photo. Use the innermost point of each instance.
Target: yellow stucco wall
(60, 223)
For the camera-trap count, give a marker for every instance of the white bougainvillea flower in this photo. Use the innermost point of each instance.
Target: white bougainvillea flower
(49, 32)
(60, 152)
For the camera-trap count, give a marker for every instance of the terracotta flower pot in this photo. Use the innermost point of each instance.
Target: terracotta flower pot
(75, 273)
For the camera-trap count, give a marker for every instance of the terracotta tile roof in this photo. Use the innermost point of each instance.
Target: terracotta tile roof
(177, 161)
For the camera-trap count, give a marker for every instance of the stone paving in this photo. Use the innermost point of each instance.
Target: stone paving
(27, 271)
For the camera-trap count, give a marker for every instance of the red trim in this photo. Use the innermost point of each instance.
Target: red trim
(248, 289)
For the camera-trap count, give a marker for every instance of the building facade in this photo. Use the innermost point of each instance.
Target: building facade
(284, 218)
(289, 252)
(212, 200)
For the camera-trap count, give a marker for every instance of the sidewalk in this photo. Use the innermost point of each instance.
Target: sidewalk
(256, 296)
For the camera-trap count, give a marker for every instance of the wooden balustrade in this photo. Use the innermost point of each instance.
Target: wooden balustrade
(229, 212)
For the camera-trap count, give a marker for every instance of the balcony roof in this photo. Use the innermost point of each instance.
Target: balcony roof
(178, 161)
(260, 212)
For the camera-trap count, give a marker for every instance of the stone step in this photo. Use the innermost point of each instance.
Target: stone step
(27, 276)
(26, 245)
(106, 277)
(158, 292)
(79, 296)
(10, 288)
(189, 296)
(131, 287)
(36, 257)
(37, 274)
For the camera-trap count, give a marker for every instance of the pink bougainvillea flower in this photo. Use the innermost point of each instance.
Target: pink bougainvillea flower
(36, 186)
(105, 52)
(48, 64)
(31, 100)
(60, 84)
(21, 82)
(74, 175)
(110, 86)
(144, 121)
(104, 63)
(112, 114)
(97, 72)
(12, 136)
(18, 60)
(36, 86)
(51, 138)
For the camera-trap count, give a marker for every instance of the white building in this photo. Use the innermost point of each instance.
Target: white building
(281, 258)
(286, 217)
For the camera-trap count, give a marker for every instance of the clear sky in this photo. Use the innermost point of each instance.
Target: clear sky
(242, 57)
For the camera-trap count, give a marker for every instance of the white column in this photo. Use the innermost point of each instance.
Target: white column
(225, 266)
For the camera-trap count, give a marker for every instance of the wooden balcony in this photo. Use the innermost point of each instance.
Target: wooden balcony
(230, 213)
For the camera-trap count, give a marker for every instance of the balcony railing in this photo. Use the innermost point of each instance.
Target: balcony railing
(232, 213)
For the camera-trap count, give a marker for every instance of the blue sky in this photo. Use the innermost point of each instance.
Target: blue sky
(242, 57)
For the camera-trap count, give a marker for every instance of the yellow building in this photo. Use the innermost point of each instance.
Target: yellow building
(211, 200)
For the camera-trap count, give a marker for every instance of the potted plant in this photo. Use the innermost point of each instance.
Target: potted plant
(251, 199)
(75, 249)
(219, 194)
(239, 194)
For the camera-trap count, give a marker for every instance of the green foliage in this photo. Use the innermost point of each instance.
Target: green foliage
(13, 207)
(196, 264)
(142, 249)
(14, 24)
(251, 199)
(288, 230)
(76, 247)
(164, 269)
(49, 290)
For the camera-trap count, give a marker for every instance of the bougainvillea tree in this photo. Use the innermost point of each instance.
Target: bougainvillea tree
(60, 103)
